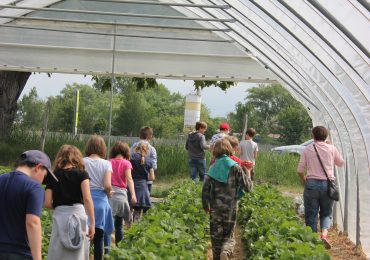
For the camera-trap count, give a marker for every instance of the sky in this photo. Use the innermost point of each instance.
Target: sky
(219, 102)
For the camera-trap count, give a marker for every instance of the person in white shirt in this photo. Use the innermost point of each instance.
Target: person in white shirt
(249, 149)
(224, 131)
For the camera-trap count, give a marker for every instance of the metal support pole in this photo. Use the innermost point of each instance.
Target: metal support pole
(112, 81)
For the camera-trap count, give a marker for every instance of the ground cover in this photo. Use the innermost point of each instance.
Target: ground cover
(174, 229)
(270, 228)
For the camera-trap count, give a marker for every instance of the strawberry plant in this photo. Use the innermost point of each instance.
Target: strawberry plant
(271, 229)
(175, 229)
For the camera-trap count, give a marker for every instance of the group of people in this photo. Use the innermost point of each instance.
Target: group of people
(226, 181)
(196, 145)
(229, 176)
(90, 197)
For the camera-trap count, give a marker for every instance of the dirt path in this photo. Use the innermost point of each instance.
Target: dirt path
(238, 253)
(342, 248)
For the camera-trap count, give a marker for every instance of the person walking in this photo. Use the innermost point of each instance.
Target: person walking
(249, 149)
(196, 146)
(142, 172)
(146, 135)
(21, 201)
(224, 131)
(100, 172)
(314, 177)
(73, 216)
(121, 179)
(222, 187)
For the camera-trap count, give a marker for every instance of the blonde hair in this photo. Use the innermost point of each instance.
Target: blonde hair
(68, 154)
(96, 145)
(233, 141)
(221, 147)
(143, 149)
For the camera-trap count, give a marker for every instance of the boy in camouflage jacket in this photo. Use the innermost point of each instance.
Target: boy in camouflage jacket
(222, 187)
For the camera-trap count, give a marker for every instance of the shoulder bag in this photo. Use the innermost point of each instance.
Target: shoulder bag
(333, 192)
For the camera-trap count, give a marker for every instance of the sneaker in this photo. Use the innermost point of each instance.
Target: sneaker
(224, 256)
(326, 242)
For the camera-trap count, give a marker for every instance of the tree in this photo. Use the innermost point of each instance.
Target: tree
(155, 107)
(224, 85)
(295, 124)
(30, 110)
(271, 109)
(11, 86)
(94, 105)
(132, 114)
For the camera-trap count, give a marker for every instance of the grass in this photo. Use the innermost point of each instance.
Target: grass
(277, 169)
(161, 188)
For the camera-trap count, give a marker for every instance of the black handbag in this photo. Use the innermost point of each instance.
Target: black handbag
(333, 191)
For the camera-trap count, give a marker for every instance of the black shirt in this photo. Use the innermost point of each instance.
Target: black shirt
(67, 191)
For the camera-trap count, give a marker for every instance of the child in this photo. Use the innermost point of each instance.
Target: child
(142, 171)
(100, 172)
(67, 197)
(249, 149)
(146, 135)
(195, 145)
(220, 192)
(121, 179)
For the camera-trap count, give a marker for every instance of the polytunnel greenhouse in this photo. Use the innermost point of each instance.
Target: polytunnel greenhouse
(318, 50)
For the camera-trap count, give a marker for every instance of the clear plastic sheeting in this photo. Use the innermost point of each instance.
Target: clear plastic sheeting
(317, 49)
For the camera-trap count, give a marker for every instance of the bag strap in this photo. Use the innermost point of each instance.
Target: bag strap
(318, 157)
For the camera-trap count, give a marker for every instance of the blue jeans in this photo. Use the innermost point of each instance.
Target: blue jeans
(197, 167)
(316, 201)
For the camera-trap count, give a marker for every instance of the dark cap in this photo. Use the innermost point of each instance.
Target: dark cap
(224, 126)
(38, 157)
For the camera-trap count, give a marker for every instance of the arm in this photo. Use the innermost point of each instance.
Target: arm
(89, 206)
(244, 178)
(108, 183)
(33, 227)
(153, 157)
(151, 176)
(240, 149)
(203, 143)
(206, 194)
(130, 184)
(302, 177)
(301, 168)
(255, 154)
(338, 159)
(48, 199)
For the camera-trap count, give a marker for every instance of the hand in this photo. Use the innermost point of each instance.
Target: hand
(133, 200)
(110, 193)
(91, 233)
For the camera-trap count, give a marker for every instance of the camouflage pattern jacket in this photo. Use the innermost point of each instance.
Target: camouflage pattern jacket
(221, 198)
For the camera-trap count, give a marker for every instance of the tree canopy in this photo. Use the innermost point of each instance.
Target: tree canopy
(272, 110)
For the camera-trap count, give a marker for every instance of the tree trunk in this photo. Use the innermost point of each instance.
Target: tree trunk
(11, 86)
